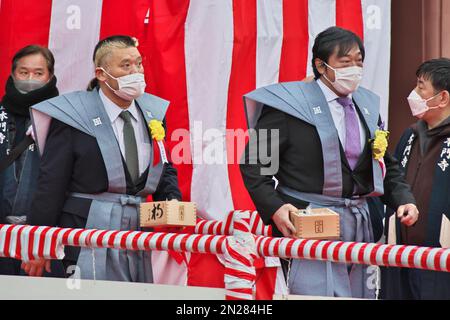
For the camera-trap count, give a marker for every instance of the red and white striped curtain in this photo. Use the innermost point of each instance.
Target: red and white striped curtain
(202, 55)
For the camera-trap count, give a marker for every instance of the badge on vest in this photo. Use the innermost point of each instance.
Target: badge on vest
(97, 121)
(317, 110)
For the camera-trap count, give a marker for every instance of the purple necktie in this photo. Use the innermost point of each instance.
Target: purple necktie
(352, 138)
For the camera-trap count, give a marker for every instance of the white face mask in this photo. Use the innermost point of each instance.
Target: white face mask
(26, 86)
(418, 105)
(346, 80)
(131, 86)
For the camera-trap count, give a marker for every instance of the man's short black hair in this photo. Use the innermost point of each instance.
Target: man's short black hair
(437, 71)
(331, 39)
(31, 50)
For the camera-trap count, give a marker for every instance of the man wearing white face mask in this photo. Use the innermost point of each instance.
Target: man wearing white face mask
(325, 160)
(31, 81)
(424, 152)
(100, 161)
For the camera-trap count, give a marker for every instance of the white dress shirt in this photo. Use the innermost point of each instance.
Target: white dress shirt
(139, 126)
(338, 114)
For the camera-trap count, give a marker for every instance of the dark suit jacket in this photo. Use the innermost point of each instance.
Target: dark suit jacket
(301, 168)
(72, 162)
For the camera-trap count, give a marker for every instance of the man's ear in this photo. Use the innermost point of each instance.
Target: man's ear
(320, 66)
(100, 74)
(445, 99)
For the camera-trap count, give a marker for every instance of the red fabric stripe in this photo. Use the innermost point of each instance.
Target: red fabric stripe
(31, 242)
(163, 45)
(183, 242)
(288, 250)
(112, 237)
(76, 238)
(42, 239)
(219, 245)
(236, 255)
(100, 238)
(171, 242)
(159, 242)
(228, 223)
(231, 298)
(134, 242)
(242, 80)
(123, 241)
(195, 244)
(336, 251)
(373, 254)
(22, 23)
(54, 243)
(211, 228)
(386, 255)
(294, 51)
(19, 244)
(244, 291)
(411, 257)
(348, 253)
(324, 254)
(147, 241)
(398, 257)
(349, 16)
(239, 274)
(313, 249)
(65, 238)
(241, 227)
(437, 260)
(423, 261)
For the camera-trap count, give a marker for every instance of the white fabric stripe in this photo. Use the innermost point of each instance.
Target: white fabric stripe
(13, 241)
(24, 242)
(153, 240)
(202, 244)
(74, 32)
(307, 249)
(393, 254)
(165, 242)
(368, 253)
(294, 249)
(379, 255)
(239, 295)
(129, 242)
(3, 231)
(377, 41)
(329, 252)
(238, 284)
(418, 257)
(208, 50)
(140, 241)
(405, 254)
(343, 250)
(269, 41)
(106, 238)
(48, 242)
(430, 259)
(355, 252)
(321, 15)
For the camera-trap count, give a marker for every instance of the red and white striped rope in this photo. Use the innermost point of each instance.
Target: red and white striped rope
(225, 227)
(437, 259)
(240, 274)
(31, 242)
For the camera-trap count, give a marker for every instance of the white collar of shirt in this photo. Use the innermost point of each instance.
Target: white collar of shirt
(329, 94)
(113, 110)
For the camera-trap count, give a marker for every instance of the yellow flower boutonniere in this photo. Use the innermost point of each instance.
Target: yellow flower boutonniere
(157, 130)
(380, 143)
